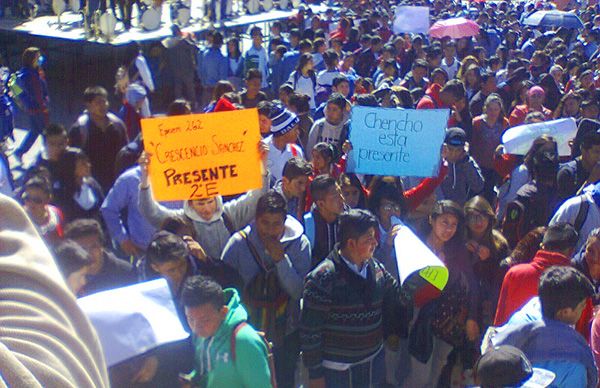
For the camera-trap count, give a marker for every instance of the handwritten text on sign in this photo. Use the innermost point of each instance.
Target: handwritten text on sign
(399, 142)
(200, 156)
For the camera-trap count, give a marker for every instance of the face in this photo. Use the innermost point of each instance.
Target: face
(253, 85)
(591, 156)
(343, 88)
(351, 195)
(334, 114)
(205, 319)
(493, 110)
(56, 146)
(569, 315)
(295, 187)
(419, 72)
(444, 227)
(291, 136)
(173, 271)
(309, 65)
(35, 201)
(83, 168)
(318, 161)
(439, 79)
(477, 222)
(264, 123)
(77, 280)
(454, 153)
(586, 82)
(270, 226)
(387, 209)
(205, 208)
(93, 246)
(571, 107)
(592, 257)
(333, 202)
(98, 107)
(536, 100)
(364, 246)
(257, 40)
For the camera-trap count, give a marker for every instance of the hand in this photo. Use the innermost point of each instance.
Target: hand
(472, 246)
(346, 147)
(148, 370)
(456, 115)
(195, 248)
(499, 150)
(263, 151)
(472, 329)
(275, 248)
(483, 252)
(317, 383)
(144, 162)
(129, 248)
(392, 235)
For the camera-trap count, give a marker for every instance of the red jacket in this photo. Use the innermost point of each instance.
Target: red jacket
(521, 283)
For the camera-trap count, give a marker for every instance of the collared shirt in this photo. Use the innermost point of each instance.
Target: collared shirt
(362, 272)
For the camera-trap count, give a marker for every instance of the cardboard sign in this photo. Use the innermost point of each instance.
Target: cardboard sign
(412, 255)
(411, 19)
(397, 142)
(518, 140)
(204, 155)
(132, 320)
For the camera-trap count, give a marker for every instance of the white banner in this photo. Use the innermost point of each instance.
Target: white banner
(411, 19)
(132, 320)
(518, 140)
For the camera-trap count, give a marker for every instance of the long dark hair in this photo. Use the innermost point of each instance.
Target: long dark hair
(236, 43)
(304, 59)
(446, 207)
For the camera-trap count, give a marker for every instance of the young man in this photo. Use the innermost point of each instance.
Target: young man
(252, 94)
(321, 223)
(341, 85)
(283, 139)
(212, 66)
(350, 303)
(293, 184)
(464, 179)
(450, 64)
(229, 352)
(575, 174)
(256, 57)
(273, 251)
(330, 129)
(552, 343)
(100, 134)
(488, 86)
(105, 271)
(520, 283)
(73, 262)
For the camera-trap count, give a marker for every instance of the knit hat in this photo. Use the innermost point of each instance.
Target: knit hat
(508, 366)
(135, 93)
(282, 120)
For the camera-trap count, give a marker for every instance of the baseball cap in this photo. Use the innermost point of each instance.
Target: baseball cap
(507, 366)
(455, 137)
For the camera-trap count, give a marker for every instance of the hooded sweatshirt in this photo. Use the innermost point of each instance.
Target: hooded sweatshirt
(211, 234)
(323, 131)
(463, 181)
(290, 271)
(214, 365)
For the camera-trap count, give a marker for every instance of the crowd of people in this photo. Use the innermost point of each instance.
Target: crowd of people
(298, 282)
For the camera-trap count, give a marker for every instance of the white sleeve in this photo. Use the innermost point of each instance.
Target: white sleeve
(142, 66)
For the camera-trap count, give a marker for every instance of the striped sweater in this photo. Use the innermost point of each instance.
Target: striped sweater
(345, 317)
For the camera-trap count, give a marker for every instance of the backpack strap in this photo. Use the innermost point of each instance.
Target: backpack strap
(253, 251)
(320, 129)
(234, 334)
(228, 223)
(83, 122)
(582, 213)
(269, 346)
(309, 228)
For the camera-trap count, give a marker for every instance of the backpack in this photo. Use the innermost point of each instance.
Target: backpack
(313, 78)
(270, 357)
(16, 89)
(265, 299)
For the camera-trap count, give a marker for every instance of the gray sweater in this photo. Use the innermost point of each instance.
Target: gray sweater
(464, 180)
(212, 234)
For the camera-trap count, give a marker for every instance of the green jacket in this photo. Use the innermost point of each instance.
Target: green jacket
(214, 366)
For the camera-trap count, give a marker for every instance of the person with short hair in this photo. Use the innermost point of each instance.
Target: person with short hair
(48, 219)
(100, 134)
(350, 297)
(105, 271)
(256, 57)
(552, 343)
(576, 174)
(332, 128)
(252, 95)
(283, 140)
(274, 241)
(520, 283)
(293, 184)
(73, 262)
(229, 352)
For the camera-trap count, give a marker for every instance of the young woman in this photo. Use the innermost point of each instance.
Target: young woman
(448, 320)
(487, 247)
(569, 106)
(472, 80)
(485, 138)
(323, 160)
(304, 79)
(354, 192)
(235, 71)
(83, 195)
(48, 219)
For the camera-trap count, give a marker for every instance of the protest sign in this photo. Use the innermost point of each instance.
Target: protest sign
(203, 155)
(411, 19)
(518, 140)
(132, 320)
(412, 256)
(398, 142)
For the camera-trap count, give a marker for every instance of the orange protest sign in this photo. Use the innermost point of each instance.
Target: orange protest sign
(203, 155)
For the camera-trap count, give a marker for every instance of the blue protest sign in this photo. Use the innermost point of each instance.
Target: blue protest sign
(398, 142)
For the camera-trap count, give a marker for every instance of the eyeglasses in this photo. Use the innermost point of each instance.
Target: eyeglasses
(390, 208)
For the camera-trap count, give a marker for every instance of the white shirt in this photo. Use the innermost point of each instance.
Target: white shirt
(277, 158)
(568, 211)
(450, 69)
(362, 272)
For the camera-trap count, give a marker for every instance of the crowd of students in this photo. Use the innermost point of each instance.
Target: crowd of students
(309, 258)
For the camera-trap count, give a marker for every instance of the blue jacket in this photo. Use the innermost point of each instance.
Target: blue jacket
(555, 346)
(212, 65)
(35, 91)
(289, 63)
